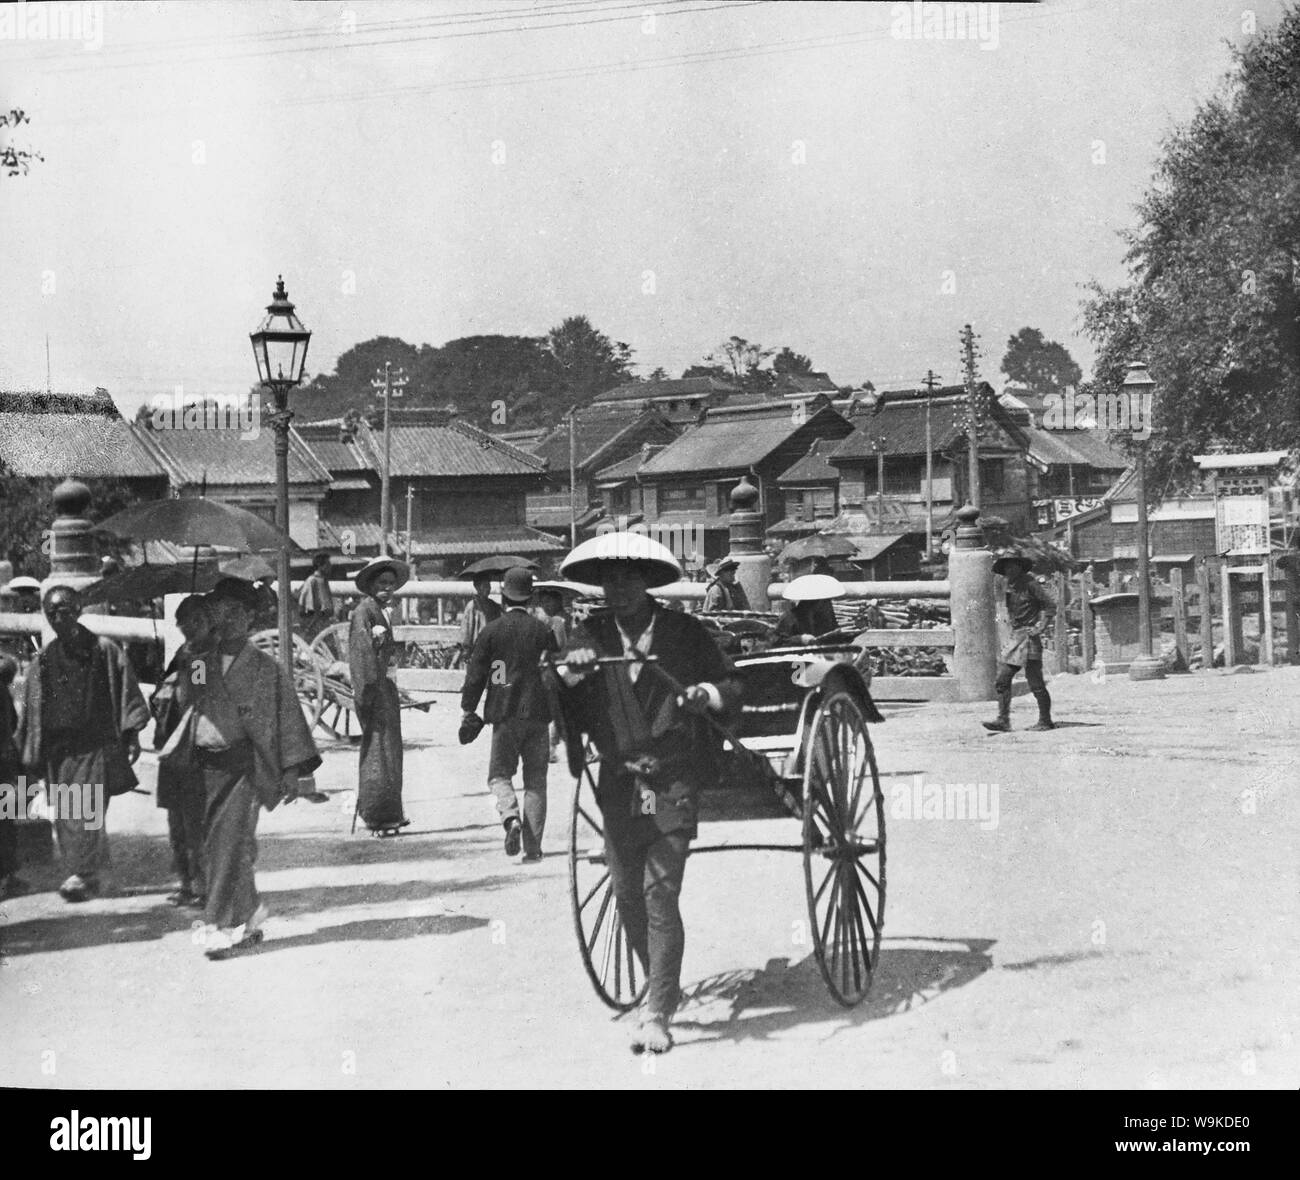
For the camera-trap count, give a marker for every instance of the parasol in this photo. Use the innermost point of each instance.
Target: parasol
(497, 564)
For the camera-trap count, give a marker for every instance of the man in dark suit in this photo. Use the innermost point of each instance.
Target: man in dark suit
(506, 662)
(657, 751)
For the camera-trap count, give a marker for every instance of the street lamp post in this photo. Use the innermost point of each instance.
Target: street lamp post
(1148, 666)
(280, 349)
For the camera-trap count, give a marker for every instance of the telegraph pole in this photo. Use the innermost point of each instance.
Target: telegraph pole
(930, 382)
(392, 387)
(970, 378)
(573, 477)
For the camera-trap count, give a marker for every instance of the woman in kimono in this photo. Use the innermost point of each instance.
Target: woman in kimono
(371, 649)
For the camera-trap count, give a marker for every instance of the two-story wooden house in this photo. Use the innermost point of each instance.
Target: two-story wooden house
(892, 436)
(603, 434)
(686, 485)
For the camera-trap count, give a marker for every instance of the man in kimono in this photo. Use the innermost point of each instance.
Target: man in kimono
(252, 748)
(83, 712)
(653, 769)
(316, 609)
(505, 662)
(479, 612)
(1029, 608)
(371, 653)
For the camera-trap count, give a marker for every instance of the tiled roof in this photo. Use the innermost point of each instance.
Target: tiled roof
(791, 527)
(480, 540)
(673, 388)
(87, 444)
(625, 469)
(225, 457)
(813, 467)
(792, 384)
(337, 453)
(597, 431)
(901, 421)
(1088, 448)
(425, 443)
(733, 437)
(457, 448)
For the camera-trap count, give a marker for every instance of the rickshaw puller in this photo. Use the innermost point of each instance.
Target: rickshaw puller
(656, 759)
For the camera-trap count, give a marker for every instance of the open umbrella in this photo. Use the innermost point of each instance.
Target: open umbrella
(194, 520)
(818, 545)
(141, 583)
(498, 563)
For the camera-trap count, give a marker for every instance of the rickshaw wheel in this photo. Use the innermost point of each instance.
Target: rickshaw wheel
(843, 847)
(308, 683)
(330, 650)
(607, 956)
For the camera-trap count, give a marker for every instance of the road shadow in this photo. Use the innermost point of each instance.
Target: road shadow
(757, 1004)
(370, 930)
(322, 898)
(1078, 725)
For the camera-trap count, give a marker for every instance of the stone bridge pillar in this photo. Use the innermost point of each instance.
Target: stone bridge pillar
(974, 622)
(746, 540)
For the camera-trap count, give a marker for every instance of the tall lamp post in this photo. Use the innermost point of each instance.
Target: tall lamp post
(1138, 383)
(280, 348)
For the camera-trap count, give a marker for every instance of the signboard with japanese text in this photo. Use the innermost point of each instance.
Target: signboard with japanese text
(1241, 513)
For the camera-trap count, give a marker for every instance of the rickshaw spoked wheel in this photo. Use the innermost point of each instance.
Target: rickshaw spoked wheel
(308, 683)
(608, 958)
(843, 847)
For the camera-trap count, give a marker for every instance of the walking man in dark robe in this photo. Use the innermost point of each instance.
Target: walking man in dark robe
(505, 662)
(371, 651)
(1030, 608)
(650, 781)
(83, 712)
(253, 748)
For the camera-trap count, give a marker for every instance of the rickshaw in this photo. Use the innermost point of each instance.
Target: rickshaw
(323, 680)
(801, 749)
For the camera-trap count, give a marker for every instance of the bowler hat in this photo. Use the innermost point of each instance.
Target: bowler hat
(727, 563)
(588, 559)
(517, 585)
(365, 577)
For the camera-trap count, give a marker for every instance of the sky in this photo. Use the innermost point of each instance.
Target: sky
(808, 174)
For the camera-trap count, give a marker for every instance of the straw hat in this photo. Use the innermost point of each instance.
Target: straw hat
(1000, 566)
(364, 577)
(584, 563)
(814, 588)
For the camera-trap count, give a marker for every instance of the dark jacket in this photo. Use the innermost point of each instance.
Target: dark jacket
(505, 662)
(686, 748)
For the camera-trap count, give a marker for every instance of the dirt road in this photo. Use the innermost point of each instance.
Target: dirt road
(1122, 912)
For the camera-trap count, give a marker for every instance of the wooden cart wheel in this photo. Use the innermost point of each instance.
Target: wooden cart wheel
(330, 651)
(308, 682)
(610, 962)
(843, 847)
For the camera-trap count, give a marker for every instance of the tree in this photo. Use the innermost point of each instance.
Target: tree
(742, 359)
(660, 374)
(589, 362)
(29, 512)
(1041, 366)
(788, 361)
(1212, 303)
(715, 371)
(15, 160)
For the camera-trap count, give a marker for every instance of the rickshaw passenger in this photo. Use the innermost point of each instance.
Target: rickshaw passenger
(810, 614)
